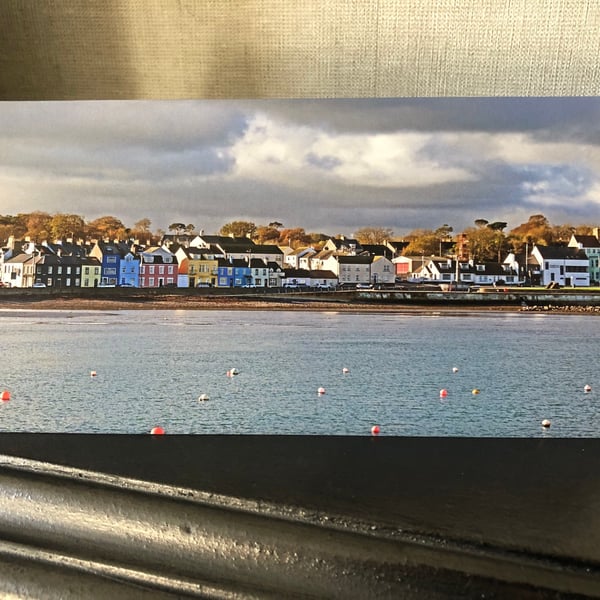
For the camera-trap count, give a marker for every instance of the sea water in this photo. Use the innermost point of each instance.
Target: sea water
(128, 371)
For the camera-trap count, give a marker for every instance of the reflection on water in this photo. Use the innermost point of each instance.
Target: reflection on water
(152, 366)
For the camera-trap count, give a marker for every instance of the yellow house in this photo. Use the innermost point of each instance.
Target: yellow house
(197, 267)
(91, 272)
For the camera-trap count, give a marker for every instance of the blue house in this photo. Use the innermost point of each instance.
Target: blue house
(233, 272)
(119, 265)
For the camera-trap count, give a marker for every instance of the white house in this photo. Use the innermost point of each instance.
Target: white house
(382, 270)
(266, 274)
(18, 271)
(468, 272)
(300, 258)
(591, 246)
(564, 265)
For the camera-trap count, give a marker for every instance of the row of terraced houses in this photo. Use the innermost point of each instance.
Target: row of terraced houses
(231, 262)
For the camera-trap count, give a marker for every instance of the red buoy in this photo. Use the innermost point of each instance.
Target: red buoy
(443, 393)
(5, 396)
(157, 431)
(375, 430)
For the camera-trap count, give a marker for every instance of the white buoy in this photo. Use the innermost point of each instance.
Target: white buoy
(546, 423)
(475, 391)
(345, 370)
(587, 388)
(93, 374)
(232, 372)
(203, 397)
(321, 391)
(455, 369)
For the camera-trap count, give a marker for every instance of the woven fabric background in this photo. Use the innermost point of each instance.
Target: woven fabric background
(84, 49)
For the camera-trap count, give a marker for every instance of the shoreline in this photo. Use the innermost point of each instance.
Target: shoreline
(225, 303)
(291, 304)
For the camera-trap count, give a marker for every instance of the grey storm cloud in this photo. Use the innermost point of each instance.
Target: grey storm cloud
(325, 165)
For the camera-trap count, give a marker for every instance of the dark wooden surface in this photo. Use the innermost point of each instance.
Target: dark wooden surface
(539, 496)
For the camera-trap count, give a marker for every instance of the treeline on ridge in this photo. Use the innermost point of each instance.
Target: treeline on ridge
(485, 240)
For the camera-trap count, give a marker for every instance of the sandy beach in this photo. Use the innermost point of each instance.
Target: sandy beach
(195, 302)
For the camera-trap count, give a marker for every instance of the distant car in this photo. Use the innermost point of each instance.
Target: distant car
(364, 286)
(126, 285)
(204, 284)
(39, 284)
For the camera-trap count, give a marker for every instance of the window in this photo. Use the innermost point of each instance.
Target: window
(86, 270)
(111, 260)
(50, 270)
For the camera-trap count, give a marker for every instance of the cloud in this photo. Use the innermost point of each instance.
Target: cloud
(325, 165)
(282, 152)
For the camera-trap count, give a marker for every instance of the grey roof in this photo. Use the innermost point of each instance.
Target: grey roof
(323, 274)
(561, 252)
(355, 259)
(378, 250)
(587, 241)
(289, 272)
(267, 249)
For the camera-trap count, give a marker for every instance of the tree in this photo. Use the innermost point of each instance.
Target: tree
(276, 224)
(498, 226)
(294, 237)
(537, 230)
(142, 225)
(15, 226)
(483, 243)
(443, 235)
(38, 225)
(189, 229)
(422, 242)
(67, 226)
(238, 229)
(265, 234)
(177, 227)
(373, 235)
(107, 227)
(481, 222)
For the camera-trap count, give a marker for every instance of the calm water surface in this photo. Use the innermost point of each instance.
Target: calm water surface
(152, 366)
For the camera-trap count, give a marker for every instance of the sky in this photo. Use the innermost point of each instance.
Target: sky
(328, 166)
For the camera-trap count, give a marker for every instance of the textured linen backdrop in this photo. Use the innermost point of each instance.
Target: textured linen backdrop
(96, 49)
